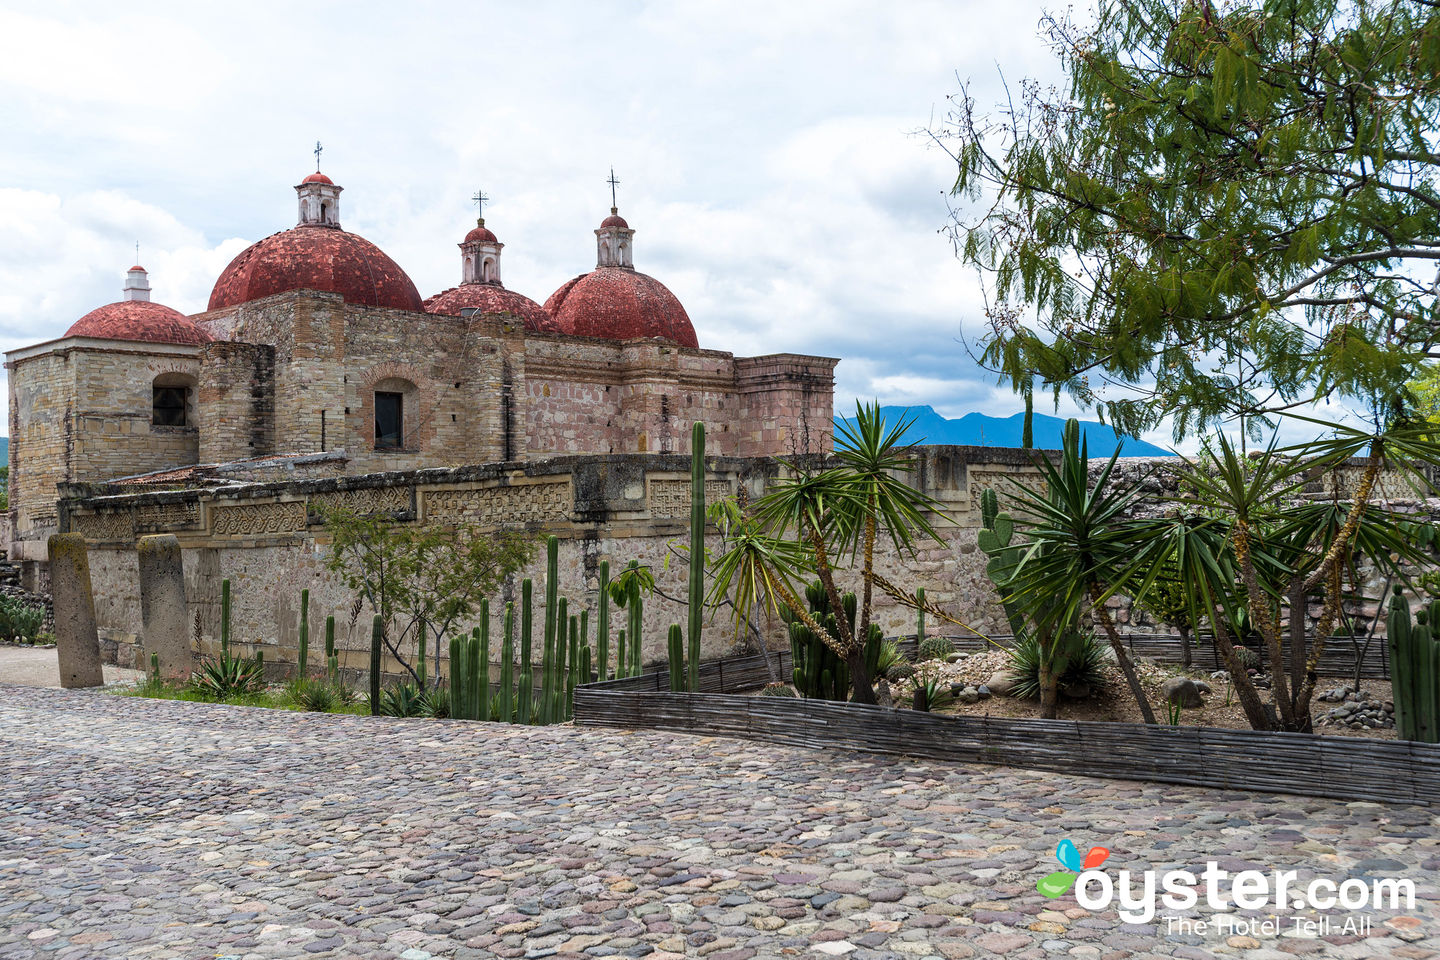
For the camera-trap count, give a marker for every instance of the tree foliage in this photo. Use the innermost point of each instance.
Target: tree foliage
(1232, 210)
(421, 579)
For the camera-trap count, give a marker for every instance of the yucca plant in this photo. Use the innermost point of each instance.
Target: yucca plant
(403, 700)
(1084, 657)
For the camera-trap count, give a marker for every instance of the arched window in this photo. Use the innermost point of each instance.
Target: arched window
(322, 212)
(173, 400)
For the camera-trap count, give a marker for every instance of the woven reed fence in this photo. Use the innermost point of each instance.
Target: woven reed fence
(1337, 659)
(1334, 767)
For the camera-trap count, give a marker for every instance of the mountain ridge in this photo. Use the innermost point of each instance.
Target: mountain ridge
(979, 430)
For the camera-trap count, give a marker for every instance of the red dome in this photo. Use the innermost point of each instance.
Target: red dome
(318, 177)
(493, 298)
(480, 234)
(139, 320)
(620, 304)
(313, 257)
(614, 220)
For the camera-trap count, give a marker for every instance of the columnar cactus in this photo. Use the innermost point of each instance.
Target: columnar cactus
(697, 550)
(676, 648)
(225, 619)
(482, 636)
(635, 608)
(572, 669)
(920, 615)
(622, 659)
(377, 635)
(507, 666)
(459, 677)
(525, 694)
(552, 602)
(602, 624)
(1415, 669)
(304, 653)
(329, 638)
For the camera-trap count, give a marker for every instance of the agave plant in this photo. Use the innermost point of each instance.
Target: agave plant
(228, 676)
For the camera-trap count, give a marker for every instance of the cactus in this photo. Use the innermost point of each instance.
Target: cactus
(920, 616)
(377, 634)
(602, 624)
(819, 673)
(524, 696)
(507, 666)
(572, 659)
(622, 661)
(697, 551)
(1415, 669)
(329, 638)
(635, 608)
(420, 660)
(155, 666)
(332, 665)
(482, 636)
(677, 658)
(457, 678)
(304, 655)
(552, 603)
(996, 532)
(225, 619)
(474, 676)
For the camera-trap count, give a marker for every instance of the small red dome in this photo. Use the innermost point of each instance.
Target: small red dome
(493, 298)
(614, 220)
(318, 177)
(481, 234)
(314, 257)
(139, 320)
(620, 304)
(136, 267)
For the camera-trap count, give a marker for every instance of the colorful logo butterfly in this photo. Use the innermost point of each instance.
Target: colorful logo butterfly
(1059, 883)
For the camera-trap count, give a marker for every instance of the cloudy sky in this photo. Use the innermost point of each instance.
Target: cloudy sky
(770, 156)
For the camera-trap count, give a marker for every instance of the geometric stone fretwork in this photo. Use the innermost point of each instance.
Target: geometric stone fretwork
(168, 516)
(979, 479)
(502, 506)
(368, 501)
(112, 525)
(254, 519)
(671, 498)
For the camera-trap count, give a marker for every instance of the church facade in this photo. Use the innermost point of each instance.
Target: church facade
(317, 343)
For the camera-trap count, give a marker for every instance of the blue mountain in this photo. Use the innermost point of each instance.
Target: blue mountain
(978, 430)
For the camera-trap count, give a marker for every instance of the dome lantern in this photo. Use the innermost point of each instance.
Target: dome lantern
(480, 256)
(319, 201)
(137, 284)
(613, 242)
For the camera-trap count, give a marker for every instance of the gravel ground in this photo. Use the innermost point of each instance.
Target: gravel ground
(160, 829)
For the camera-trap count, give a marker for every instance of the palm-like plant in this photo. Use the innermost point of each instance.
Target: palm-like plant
(1079, 553)
(829, 512)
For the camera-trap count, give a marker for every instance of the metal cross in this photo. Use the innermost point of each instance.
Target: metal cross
(613, 183)
(318, 148)
(479, 200)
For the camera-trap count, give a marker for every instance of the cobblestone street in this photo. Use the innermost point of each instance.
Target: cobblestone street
(134, 828)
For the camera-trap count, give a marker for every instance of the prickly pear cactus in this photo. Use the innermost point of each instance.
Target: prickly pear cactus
(995, 537)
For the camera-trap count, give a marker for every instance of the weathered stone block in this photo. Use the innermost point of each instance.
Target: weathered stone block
(77, 642)
(164, 614)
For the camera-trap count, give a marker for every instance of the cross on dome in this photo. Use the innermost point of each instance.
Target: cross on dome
(479, 200)
(317, 151)
(614, 207)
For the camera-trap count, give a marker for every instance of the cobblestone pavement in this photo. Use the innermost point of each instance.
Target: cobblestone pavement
(133, 828)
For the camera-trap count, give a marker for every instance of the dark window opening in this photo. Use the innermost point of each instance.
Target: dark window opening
(389, 417)
(169, 407)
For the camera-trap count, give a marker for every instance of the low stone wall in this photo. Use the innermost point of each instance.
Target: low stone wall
(269, 540)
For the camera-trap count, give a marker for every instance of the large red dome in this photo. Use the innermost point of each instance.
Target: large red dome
(620, 303)
(139, 320)
(315, 257)
(493, 298)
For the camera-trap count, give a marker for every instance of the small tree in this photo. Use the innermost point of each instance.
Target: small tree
(420, 580)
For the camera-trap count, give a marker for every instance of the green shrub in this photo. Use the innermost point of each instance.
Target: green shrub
(20, 621)
(315, 696)
(403, 700)
(224, 677)
(890, 656)
(437, 703)
(1087, 663)
(936, 648)
(778, 690)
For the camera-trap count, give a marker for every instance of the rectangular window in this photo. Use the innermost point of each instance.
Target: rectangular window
(389, 420)
(169, 407)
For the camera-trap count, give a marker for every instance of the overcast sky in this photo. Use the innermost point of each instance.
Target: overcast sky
(769, 157)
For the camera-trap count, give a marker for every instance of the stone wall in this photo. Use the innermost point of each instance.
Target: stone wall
(83, 411)
(267, 538)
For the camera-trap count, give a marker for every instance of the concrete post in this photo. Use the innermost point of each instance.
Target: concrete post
(164, 615)
(76, 640)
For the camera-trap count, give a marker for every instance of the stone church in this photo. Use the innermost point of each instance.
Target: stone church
(316, 349)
